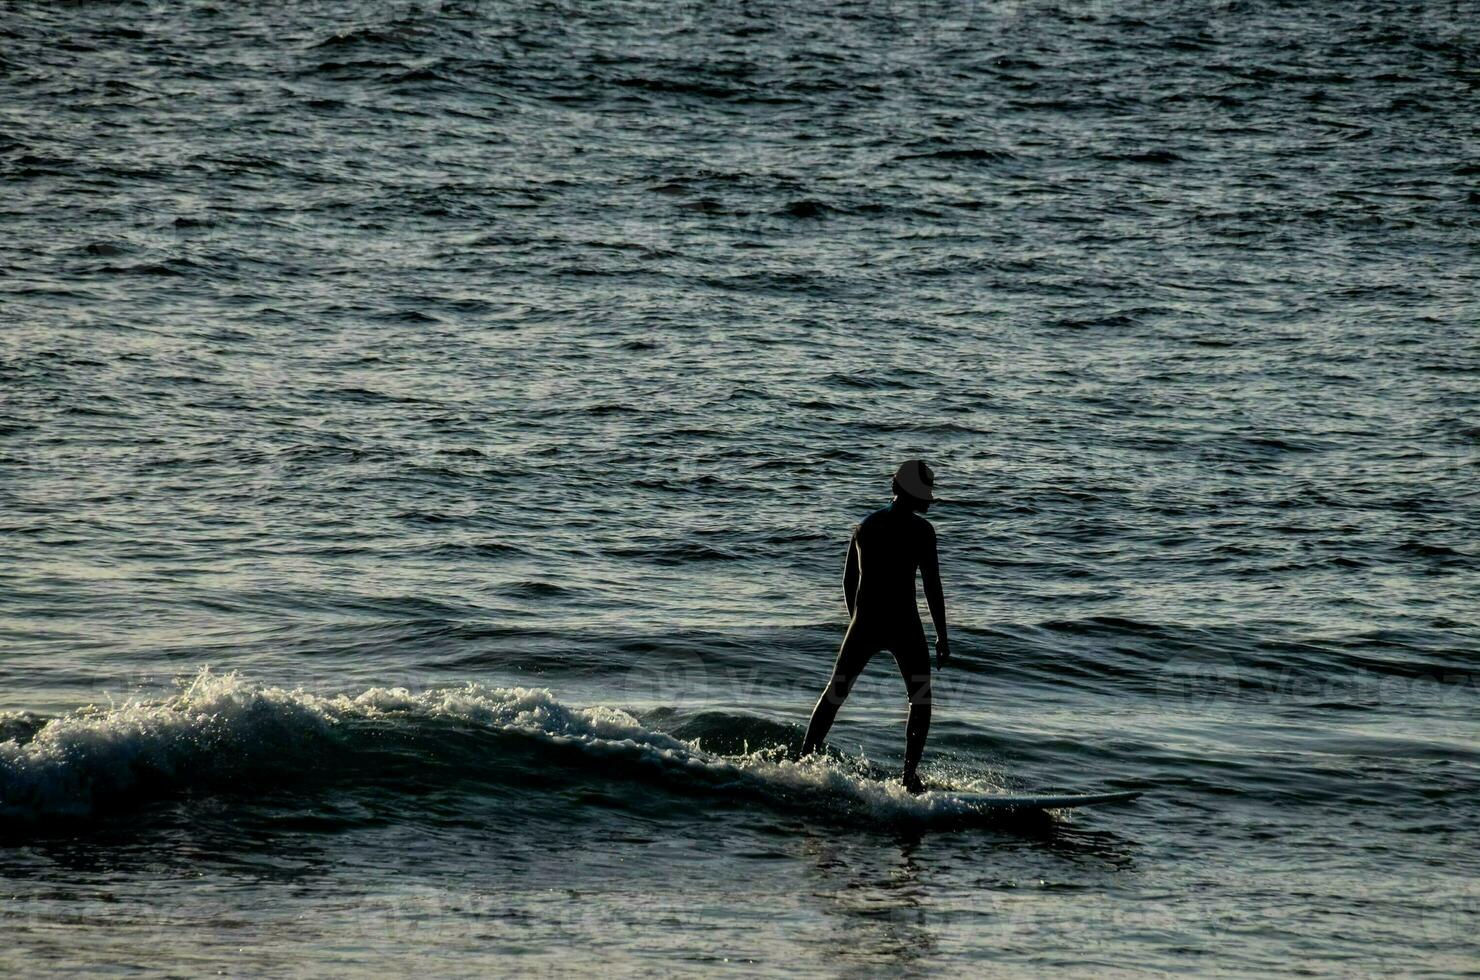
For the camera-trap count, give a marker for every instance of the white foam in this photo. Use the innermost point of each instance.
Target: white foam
(218, 724)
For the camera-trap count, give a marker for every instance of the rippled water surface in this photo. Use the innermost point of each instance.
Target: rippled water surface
(430, 433)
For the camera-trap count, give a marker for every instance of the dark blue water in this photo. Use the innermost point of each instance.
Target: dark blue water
(430, 434)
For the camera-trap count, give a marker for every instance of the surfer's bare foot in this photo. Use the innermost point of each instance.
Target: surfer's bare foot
(913, 783)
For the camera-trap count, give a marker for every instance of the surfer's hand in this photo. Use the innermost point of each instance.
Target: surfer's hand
(942, 652)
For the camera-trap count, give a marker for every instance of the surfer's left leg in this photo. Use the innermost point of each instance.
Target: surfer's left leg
(858, 646)
(913, 659)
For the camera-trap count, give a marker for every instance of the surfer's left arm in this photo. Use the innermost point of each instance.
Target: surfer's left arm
(935, 596)
(850, 574)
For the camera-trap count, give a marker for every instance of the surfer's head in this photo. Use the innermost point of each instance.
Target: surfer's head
(914, 484)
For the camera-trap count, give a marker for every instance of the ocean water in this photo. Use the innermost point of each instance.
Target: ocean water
(430, 435)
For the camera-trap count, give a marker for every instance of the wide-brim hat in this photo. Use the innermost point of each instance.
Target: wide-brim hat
(916, 479)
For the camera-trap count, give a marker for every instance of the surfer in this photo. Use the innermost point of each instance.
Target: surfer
(879, 587)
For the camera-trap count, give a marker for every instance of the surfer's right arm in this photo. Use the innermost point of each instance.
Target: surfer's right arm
(850, 574)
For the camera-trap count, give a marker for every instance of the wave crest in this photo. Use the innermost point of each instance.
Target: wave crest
(221, 733)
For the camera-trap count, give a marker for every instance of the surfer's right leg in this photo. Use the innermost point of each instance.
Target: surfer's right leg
(853, 656)
(913, 659)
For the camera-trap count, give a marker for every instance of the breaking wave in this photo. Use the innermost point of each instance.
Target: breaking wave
(220, 733)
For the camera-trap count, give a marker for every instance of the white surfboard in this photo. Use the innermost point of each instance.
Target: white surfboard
(991, 801)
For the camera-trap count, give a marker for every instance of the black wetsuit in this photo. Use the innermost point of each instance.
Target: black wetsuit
(887, 549)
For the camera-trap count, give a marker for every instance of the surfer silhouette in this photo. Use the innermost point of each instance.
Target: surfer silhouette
(879, 587)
